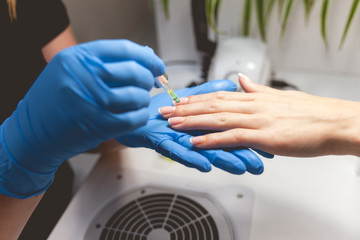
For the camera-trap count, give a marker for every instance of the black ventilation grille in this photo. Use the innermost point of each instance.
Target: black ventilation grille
(179, 217)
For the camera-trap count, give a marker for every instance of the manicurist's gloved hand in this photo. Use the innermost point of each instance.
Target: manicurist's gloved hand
(157, 134)
(86, 95)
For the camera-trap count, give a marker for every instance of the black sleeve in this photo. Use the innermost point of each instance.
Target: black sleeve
(46, 20)
(21, 41)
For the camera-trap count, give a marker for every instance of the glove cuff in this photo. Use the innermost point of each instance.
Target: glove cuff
(17, 181)
(24, 146)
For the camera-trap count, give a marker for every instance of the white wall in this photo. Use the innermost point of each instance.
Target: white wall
(100, 19)
(302, 48)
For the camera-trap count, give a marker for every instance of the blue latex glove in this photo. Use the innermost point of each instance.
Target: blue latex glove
(86, 95)
(157, 134)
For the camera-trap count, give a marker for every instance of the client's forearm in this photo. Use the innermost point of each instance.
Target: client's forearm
(14, 213)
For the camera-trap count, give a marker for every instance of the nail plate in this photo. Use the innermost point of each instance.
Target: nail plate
(197, 140)
(183, 100)
(176, 120)
(167, 110)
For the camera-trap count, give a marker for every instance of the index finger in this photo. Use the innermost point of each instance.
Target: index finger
(220, 95)
(120, 50)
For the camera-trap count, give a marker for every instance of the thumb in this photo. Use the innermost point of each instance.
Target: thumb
(250, 86)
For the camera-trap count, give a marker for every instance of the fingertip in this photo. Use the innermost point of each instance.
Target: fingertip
(200, 167)
(253, 163)
(234, 168)
(238, 170)
(225, 161)
(256, 171)
(245, 82)
(260, 170)
(205, 168)
(158, 67)
(197, 140)
(243, 77)
(183, 154)
(238, 167)
(167, 110)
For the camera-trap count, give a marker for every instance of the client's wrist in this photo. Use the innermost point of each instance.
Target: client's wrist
(347, 131)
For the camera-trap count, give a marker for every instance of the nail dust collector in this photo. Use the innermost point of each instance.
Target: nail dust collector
(122, 202)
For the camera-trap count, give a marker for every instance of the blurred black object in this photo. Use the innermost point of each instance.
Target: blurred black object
(281, 84)
(204, 45)
(51, 206)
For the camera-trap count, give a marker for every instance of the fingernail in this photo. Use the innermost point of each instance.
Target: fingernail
(176, 120)
(244, 77)
(167, 110)
(197, 140)
(183, 100)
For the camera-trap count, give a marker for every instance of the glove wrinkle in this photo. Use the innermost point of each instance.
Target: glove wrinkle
(86, 95)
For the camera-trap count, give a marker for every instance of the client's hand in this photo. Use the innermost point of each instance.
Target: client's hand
(280, 122)
(157, 134)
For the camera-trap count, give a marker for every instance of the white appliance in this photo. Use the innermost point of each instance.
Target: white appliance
(245, 55)
(176, 46)
(123, 202)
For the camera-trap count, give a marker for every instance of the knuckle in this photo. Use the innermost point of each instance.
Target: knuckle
(238, 135)
(137, 98)
(257, 97)
(214, 106)
(142, 100)
(220, 95)
(68, 58)
(66, 54)
(216, 139)
(62, 54)
(131, 93)
(126, 45)
(105, 72)
(263, 121)
(181, 110)
(94, 42)
(130, 124)
(142, 77)
(138, 75)
(258, 105)
(135, 123)
(104, 101)
(132, 70)
(222, 118)
(132, 67)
